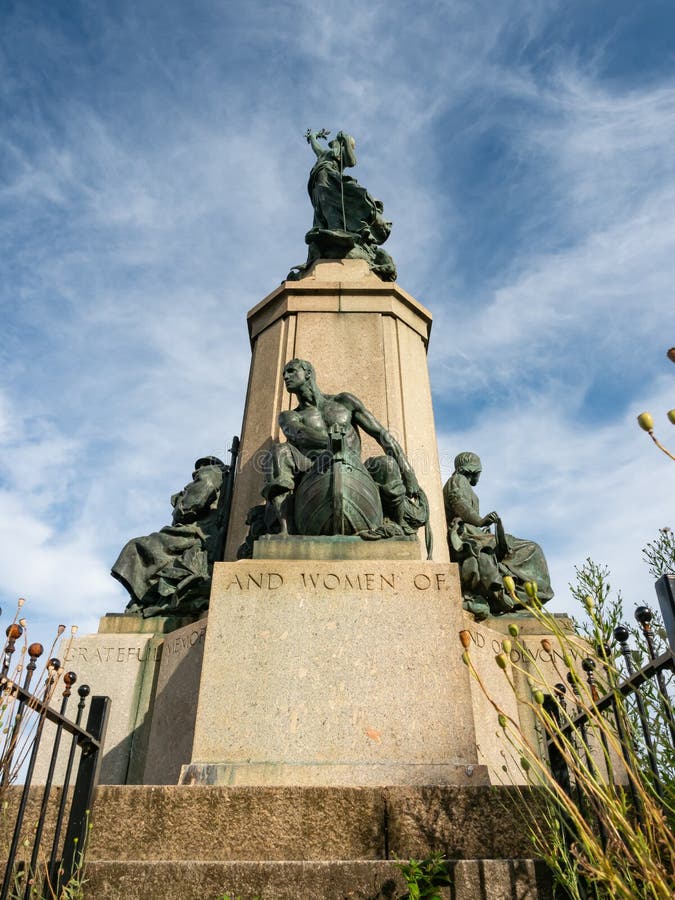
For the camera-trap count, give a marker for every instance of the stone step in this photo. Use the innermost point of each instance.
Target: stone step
(215, 823)
(475, 879)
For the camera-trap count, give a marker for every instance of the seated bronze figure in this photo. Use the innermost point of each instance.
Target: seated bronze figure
(485, 558)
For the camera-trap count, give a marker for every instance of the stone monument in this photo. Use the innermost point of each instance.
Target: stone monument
(297, 624)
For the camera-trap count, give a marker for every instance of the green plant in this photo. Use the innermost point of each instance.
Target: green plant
(424, 877)
(601, 838)
(660, 554)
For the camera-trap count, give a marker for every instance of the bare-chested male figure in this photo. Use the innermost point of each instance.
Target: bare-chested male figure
(307, 430)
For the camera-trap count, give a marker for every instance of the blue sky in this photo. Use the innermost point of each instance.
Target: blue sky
(153, 188)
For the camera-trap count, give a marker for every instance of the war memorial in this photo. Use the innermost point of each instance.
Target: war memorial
(290, 710)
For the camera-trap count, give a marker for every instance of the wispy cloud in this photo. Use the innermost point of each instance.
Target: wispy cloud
(153, 188)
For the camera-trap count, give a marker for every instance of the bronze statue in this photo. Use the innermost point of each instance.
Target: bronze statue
(316, 483)
(169, 572)
(485, 558)
(348, 222)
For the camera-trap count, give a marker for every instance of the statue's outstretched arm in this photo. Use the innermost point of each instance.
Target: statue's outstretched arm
(313, 142)
(367, 421)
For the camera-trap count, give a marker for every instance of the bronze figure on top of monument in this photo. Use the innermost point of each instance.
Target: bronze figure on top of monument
(315, 482)
(485, 558)
(348, 222)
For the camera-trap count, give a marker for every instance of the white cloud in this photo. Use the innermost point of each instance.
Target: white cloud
(158, 196)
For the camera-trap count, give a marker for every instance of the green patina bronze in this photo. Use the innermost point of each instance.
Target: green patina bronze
(315, 482)
(348, 222)
(169, 572)
(485, 558)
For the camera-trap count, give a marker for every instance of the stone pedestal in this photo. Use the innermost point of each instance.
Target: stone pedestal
(334, 673)
(528, 660)
(150, 669)
(362, 335)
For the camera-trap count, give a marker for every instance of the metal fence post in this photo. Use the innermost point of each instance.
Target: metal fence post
(665, 591)
(85, 784)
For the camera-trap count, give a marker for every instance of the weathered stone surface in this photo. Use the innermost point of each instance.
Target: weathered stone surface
(335, 673)
(123, 662)
(174, 707)
(459, 822)
(179, 843)
(503, 879)
(226, 823)
(303, 823)
(476, 879)
(389, 373)
(190, 880)
(119, 623)
(120, 666)
(537, 664)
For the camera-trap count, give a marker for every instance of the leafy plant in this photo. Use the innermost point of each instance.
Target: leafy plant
(601, 838)
(660, 554)
(425, 876)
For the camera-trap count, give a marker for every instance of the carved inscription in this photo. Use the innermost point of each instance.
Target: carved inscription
(516, 656)
(356, 581)
(82, 653)
(182, 642)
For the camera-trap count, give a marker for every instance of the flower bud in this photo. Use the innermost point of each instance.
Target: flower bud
(465, 658)
(538, 697)
(514, 631)
(509, 585)
(546, 644)
(506, 646)
(645, 421)
(525, 763)
(465, 638)
(531, 589)
(502, 660)
(671, 415)
(503, 721)
(589, 604)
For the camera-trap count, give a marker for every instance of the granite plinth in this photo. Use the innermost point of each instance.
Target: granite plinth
(334, 673)
(129, 660)
(363, 335)
(123, 623)
(531, 664)
(274, 546)
(174, 704)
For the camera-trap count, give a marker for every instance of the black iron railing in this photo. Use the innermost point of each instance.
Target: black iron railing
(25, 714)
(639, 708)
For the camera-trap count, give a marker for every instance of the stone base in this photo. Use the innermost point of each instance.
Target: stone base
(150, 669)
(157, 843)
(309, 774)
(123, 623)
(508, 879)
(334, 673)
(338, 546)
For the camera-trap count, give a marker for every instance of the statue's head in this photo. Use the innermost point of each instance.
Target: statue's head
(469, 464)
(206, 461)
(209, 461)
(298, 372)
(347, 148)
